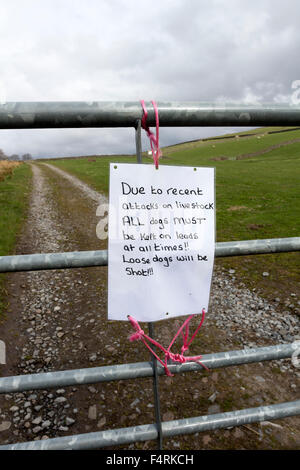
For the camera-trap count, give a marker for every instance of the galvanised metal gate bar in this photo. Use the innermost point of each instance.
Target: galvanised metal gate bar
(37, 115)
(82, 259)
(146, 432)
(140, 370)
(129, 114)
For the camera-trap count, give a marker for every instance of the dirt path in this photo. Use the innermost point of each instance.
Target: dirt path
(57, 320)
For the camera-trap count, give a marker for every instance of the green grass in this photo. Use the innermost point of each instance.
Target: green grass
(256, 197)
(14, 192)
(233, 147)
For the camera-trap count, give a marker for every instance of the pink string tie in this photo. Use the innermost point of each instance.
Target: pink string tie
(140, 335)
(154, 139)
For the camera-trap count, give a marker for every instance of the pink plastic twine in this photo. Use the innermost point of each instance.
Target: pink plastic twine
(154, 139)
(140, 335)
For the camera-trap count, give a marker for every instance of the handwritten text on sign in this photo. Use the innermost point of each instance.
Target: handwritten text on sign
(161, 241)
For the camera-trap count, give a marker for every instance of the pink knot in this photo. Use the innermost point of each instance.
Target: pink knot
(175, 357)
(140, 335)
(136, 336)
(154, 139)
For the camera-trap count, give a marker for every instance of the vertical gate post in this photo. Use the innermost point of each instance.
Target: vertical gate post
(138, 143)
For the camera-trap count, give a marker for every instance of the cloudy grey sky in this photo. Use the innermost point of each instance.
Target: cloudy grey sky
(181, 50)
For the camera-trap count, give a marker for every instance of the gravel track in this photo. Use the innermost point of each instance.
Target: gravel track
(84, 188)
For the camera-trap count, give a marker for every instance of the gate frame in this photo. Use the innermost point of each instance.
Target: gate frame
(124, 114)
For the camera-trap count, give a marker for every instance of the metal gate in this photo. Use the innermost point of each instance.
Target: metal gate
(129, 114)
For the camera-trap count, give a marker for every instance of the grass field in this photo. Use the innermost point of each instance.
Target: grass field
(257, 196)
(14, 191)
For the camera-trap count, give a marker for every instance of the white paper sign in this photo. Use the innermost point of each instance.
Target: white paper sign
(161, 241)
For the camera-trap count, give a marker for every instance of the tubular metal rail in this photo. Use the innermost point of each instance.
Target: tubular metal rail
(128, 114)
